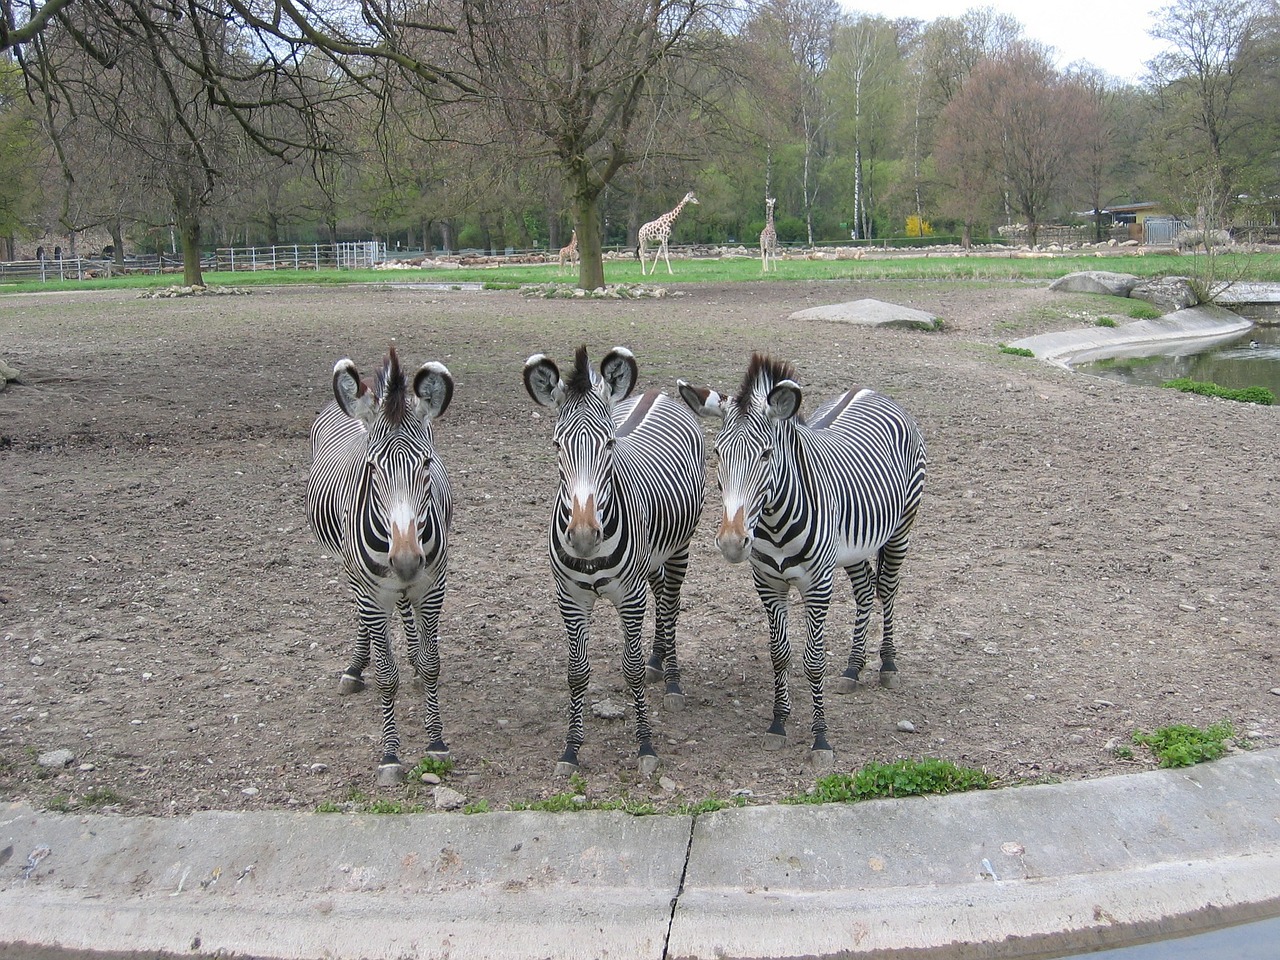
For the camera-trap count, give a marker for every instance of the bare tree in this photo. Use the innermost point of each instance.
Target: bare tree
(1030, 117)
(577, 78)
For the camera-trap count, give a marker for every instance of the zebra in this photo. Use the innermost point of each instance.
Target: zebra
(802, 499)
(632, 481)
(378, 496)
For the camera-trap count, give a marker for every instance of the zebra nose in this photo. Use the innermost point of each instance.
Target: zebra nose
(585, 533)
(732, 538)
(405, 554)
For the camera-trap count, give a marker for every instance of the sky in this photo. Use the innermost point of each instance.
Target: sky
(1111, 34)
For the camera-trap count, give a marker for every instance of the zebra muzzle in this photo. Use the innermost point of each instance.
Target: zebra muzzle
(584, 533)
(405, 555)
(732, 538)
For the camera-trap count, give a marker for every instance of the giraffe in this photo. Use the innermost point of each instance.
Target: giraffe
(659, 231)
(569, 254)
(768, 237)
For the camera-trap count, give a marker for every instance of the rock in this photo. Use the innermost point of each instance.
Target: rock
(431, 778)
(8, 375)
(56, 758)
(906, 726)
(875, 313)
(448, 799)
(319, 767)
(667, 784)
(37, 661)
(608, 710)
(1096, 281)
(250, 791)
(1166, 293)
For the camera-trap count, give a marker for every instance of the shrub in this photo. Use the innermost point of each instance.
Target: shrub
(1017, 351)
(1259, 395)
(1144, 311)
(1182, 745)
(1104, 322)
(902, 778)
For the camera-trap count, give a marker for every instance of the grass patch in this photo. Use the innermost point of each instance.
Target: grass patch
(576, 799)
(1258, 395)
(1017, 351)
(1144, 311)
(1182, 745)
(435, 765)
(709, 805)
(902, 778)
(1104, 322)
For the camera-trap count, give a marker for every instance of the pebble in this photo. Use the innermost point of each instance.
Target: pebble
(250, 791)
(1187, 607)
(906, 726)
(1276, 691)
(431, 778)
(1076, 738)
(667, 784)
(448, 798)
(56, 758)
(37, 661)
(319, 767)
(608, 710)
(87, 768)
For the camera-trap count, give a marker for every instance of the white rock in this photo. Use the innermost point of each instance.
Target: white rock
(56, 758)
(448, 799)
(906, 726)
(608, 710)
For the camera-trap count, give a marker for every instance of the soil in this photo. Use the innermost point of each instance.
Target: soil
(1091, 558)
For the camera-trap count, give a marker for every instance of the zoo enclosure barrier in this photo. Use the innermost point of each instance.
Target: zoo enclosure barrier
(302, 256)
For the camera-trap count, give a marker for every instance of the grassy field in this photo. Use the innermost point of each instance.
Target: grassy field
(1255, 267)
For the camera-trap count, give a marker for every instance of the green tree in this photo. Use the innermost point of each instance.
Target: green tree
(20, 158)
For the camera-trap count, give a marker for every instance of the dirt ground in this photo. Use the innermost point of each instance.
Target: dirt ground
(1091, 558)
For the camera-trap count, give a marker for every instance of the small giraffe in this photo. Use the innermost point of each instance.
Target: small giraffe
(569, 254)
(659, 231)
(768, 237)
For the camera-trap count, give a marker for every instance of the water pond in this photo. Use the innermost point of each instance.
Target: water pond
(1236, 363)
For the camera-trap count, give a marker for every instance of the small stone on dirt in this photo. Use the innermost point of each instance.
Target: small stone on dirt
(906, 726)
(448, 799)
(431, 778)
(607, 710)
(667, 784)
(56, 758)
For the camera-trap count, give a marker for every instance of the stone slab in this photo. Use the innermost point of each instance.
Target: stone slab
(876, 313)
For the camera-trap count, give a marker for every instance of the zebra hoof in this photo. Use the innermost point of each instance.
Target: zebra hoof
(775, 741)
(652, 674)
(822, 761)
(349, 684)
(438, 751)
(565, 769)
(648, 764)
(390, 774)
(673, 702)
(889, 679)
(844, 685)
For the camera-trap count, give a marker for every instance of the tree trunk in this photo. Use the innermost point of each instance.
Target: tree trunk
(117, 243)
(591, 260)
(189, 227)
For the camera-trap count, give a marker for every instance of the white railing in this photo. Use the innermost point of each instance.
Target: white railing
(361, 255)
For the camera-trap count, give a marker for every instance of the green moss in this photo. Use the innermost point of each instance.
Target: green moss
(1017, 351)
(1258, 395)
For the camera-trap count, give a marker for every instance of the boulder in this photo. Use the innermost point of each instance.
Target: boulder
(1166, 293)
(1096, 281)
(876, 313)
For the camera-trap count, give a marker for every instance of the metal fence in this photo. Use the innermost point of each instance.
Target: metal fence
(302, 256)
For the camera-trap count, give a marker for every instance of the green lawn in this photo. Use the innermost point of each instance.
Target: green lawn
(1256, 267)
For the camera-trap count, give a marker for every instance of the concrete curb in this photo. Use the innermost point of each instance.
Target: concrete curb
(1183, 331)
(1010, 873)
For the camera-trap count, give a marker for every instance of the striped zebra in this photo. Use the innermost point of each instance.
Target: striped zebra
(378, 496)
(632, 481)
(803, 499)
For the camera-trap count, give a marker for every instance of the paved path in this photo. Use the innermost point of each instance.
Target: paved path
(996, 874)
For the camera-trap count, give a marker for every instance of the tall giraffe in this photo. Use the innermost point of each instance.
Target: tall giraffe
(768, 237)
(569, 254)
(659, 231)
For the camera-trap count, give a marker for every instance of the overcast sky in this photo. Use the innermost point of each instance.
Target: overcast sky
(1111, 34)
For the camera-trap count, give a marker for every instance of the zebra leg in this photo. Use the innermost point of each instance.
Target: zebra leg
(352, 680)
(387, 676)
(817, 600)
(424, 654)
(774, 597)
(888, 576)
(631, 612)
(576, 617)
(864, 597)
(666, 602)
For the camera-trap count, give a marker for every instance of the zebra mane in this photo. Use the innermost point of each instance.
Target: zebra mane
(392, 388)
(580, 379)
(761, 377)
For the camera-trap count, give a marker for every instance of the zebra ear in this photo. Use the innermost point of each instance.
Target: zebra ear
(703, 401)
(433, 385)
(620, 372)
(353, 394)
(784, 400)
(542, 380)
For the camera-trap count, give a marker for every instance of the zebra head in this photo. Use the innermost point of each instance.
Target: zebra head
(584, 436)
(747, 476)
(398, 454)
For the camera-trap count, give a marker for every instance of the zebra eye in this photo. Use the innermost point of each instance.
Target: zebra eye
(766, 454)
(608, 444)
